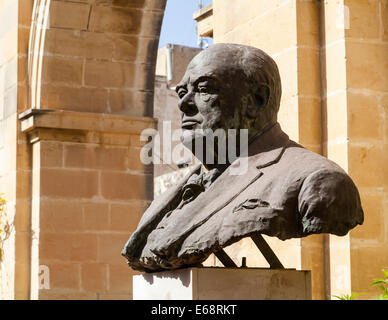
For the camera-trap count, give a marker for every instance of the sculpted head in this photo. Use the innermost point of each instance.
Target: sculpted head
(229, 86)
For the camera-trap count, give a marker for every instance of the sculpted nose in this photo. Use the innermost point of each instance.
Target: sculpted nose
(187, 105)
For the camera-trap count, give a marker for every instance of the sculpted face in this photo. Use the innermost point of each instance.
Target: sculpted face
(205, 98)
(215, 93)
(199, 101)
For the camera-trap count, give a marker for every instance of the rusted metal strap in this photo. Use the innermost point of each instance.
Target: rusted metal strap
(225, 259)
(267, 252)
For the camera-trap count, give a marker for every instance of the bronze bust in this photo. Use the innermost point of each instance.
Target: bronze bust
(287, 191)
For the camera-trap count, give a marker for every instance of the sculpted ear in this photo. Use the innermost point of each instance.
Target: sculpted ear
(261, 98)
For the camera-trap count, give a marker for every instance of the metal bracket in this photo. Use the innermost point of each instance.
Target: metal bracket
(267, 252)
(264, 248)
(225, 259)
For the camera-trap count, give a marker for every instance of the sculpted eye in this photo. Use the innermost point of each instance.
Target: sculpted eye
(181, 93)
(204, 93)
(206, 88)
(203, 90)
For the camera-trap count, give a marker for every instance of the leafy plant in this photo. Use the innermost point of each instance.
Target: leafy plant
(351, 296)
(382, 283)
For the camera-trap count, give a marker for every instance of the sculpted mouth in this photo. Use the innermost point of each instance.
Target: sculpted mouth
(189, 124)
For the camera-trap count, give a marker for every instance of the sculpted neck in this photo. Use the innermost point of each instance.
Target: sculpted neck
(254, 136)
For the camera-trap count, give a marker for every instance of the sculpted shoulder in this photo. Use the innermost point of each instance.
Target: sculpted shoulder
(328, 200)
(307, 161)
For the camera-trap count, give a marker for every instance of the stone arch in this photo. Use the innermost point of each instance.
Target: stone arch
(94, 55)
(91, 63)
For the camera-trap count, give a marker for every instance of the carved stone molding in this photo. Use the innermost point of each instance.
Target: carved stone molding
(41, 124)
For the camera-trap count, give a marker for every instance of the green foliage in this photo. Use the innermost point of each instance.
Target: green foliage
(382, 283)
(351, 296)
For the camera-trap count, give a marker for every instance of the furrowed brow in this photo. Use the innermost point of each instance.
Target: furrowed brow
(204, 78)
(180, 86)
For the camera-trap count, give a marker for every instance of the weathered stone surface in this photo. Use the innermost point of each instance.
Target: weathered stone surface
(69, 15)
(223, 284)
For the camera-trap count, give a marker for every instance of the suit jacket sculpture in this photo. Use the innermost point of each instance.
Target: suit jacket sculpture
(287, 191)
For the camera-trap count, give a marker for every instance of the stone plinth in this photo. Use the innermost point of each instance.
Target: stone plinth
(223, 284)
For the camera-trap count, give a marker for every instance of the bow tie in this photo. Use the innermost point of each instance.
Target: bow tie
(197, 184)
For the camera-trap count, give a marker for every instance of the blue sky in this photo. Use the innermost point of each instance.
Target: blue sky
(178, 26)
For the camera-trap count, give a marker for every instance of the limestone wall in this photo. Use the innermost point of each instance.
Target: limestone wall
(66, 186)
(273, 27)
(8, 133)
(332, 57)
(98, 56)
(366, 47)
(89, 190)
(74, 186)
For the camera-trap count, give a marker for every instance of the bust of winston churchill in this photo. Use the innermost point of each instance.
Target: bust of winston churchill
(286, 190)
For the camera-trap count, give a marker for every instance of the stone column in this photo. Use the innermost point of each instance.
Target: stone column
(89, 190)
(80, 56)
(15, 22)
(357, 86)
(289, 31)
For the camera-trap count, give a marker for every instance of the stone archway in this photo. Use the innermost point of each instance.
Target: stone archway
(85, 92)
(94, 55)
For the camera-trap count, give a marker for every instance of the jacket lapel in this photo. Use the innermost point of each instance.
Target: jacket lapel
(223, 191)
(269, 158)
(164, 200)
(152, 216)
(170, 232)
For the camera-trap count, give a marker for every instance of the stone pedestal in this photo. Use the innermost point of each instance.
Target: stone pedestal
(212, 283)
